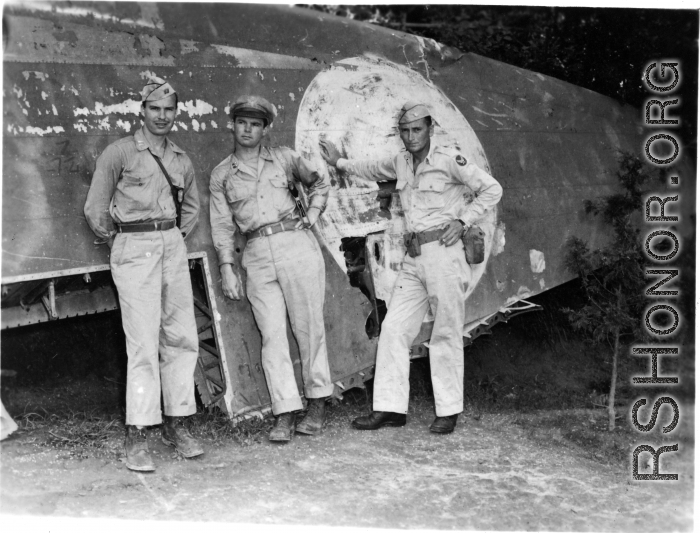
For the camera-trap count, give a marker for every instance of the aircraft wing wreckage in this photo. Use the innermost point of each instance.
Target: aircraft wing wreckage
(72, 72)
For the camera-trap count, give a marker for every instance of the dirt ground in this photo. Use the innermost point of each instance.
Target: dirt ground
(531, 451)
(497, 471)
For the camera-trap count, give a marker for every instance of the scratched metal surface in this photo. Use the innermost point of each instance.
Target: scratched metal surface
(71, 81)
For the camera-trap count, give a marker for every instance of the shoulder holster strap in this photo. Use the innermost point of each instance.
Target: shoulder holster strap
(176, 191)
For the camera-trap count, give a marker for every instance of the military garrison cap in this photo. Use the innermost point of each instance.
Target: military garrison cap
(253, 107)
(156, 89)
(413, 111)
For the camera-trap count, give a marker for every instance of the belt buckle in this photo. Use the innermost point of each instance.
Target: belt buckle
(267, 231)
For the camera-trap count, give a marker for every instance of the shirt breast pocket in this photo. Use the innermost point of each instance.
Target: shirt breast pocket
(134, 195)
(280, 191)
(240, 197)
(431, 192)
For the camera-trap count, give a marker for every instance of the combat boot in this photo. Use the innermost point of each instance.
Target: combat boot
(174, 433)
(313, 421)
(136, 450)
(284, 427)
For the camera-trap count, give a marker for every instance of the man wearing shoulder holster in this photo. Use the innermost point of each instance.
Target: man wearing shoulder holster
(433, 182)
(252, 189)
(143, 186)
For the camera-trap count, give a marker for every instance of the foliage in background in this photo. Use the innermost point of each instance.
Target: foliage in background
(602, 49)
(613, 277)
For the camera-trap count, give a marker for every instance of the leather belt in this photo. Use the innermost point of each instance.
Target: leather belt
(424, 237)
(271, 229)
(160, 225)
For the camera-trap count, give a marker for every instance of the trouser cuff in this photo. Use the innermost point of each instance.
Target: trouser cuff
(449, 410)
(144, 419)
(179, 410)
(319, 392)
(389, 407)
(286, 406)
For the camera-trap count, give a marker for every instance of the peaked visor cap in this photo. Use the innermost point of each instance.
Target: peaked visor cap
(253, 107)
(156, 89)
(413, 111)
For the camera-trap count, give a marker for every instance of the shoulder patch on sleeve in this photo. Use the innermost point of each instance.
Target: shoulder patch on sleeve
(459, 158)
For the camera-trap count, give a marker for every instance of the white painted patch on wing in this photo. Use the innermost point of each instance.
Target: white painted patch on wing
(43, 76)
(537, 261)
(187, 47)
(53, 108)
(196, 108)
(195, 124)
(354, 104)
(145, 74)
(214, 125)
(41, 132)
(291, 96)
(44, 96)
(499, 239)
(148, 22)
(255, 59)
(124, 124)
(542, 284)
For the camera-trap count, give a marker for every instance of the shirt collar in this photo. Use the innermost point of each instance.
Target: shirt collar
(142, 143)
(264, 154)
(428, 158)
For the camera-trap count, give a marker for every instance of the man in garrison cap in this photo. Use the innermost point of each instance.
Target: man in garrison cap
(253, 189)
(140, 185)
(433, 182)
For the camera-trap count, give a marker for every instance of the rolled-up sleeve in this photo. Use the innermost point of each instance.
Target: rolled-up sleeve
(190, 202)
(487, 190)
(374, 170)
(222, 225)
(104, 181)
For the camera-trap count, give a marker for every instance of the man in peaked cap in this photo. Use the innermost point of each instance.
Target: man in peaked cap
(133, 207)
(433, 182)
(252, 189)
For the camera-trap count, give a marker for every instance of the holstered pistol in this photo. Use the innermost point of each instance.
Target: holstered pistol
(410, 241)
(473, 240)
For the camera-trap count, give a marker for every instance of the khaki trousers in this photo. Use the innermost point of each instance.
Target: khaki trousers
(286, 274)
(152, 276)
(437, 279)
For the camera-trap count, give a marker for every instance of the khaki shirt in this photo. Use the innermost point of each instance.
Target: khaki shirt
(254, 198)
(438, 191)
(129, 187)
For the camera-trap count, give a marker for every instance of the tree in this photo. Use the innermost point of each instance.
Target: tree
(613, 276)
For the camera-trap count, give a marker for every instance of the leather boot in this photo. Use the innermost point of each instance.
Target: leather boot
(174, 433)
(444, 424)
(136, 450)
(284, 428)
(315, 416)
(379, 419)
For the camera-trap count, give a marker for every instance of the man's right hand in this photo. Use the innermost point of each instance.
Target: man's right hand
(329, 152)
(229, 282)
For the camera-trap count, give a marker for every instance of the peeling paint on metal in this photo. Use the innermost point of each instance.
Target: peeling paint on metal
(537, 263)
(255, 59)
(356, 102)
(150, 17)
(499, 239)
(39, 75)
(489, 114)
(196, 108)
